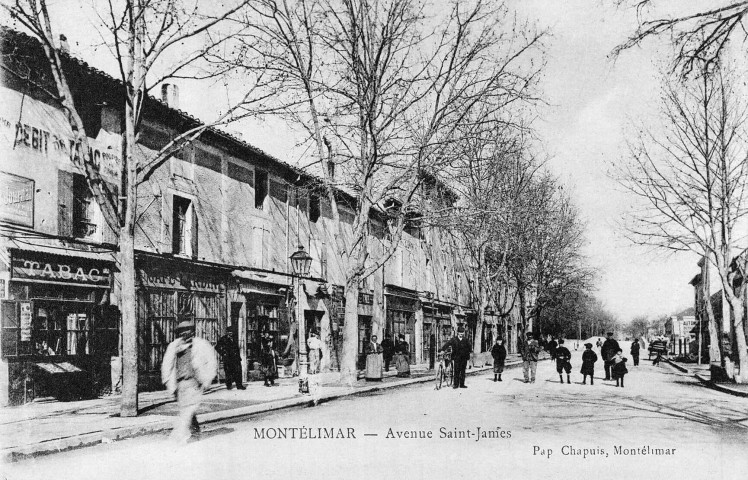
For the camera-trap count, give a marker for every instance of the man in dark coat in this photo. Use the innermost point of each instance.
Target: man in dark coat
(461, 349)
(635, 351)
(563, 361)
(388, 350)
(232, 360)
(608, 351)
(432, 351)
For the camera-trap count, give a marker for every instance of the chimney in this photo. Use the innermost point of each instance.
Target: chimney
(170, 95)
(64, 45)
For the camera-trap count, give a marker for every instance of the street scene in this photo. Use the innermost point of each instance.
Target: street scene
(336, 238)
(547, 426)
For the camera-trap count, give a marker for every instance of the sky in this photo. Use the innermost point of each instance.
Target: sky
(591, 101)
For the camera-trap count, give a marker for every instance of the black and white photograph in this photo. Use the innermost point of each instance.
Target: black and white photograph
(335, 239)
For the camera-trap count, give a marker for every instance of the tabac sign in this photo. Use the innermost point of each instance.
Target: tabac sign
(16, 199)
(60, 270)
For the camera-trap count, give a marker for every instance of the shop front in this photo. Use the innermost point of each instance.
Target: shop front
(437, 321)
(170, 290)
(401, 306)
(267, 318)
(59, 332)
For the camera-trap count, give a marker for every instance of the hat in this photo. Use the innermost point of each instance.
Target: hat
(460, 329)
(185, 325)
(528, 334)
(609, 333)
(588, 345)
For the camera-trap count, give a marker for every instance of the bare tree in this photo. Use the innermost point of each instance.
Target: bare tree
(152, 41)
(690, 180)
(700, 37)
(386, 87)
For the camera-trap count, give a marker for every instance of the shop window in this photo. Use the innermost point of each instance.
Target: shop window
(84, 209)
(184, 227)
(261, 188)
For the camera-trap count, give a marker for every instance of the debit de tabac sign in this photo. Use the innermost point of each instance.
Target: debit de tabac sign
(30, 267)
(16, 199)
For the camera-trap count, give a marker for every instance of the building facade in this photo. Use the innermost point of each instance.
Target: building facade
(217, 223)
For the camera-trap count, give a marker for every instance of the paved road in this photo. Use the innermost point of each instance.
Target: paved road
(560, 431)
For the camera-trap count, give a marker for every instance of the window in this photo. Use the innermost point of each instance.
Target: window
(314, 207)
(184, 232)
(84, 209)
(261, 188)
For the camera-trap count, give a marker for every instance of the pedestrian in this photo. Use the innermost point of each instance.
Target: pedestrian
(232, 360)
(498, 352)
(563, 361)
(188, 367)
(315, 352)
(608, 351)
(373, 352)
(618, 368)
(402, 357)
(599, 343)
(292, 351)
(589, 357)
(461, 348)
(269, 362)
(388, 351)
(529, 350)
(635, 351)
(432, 351)
(658, 347)
(552, 346)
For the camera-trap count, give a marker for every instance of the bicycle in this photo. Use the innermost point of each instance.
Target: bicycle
(444, 372)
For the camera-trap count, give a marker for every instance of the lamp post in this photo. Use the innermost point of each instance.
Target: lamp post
(301, 263)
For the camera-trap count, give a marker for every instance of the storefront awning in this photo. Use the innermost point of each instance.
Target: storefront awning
(264, 277)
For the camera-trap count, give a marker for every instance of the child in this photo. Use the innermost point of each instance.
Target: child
(619, 367)
(563, 355)
(589, 357)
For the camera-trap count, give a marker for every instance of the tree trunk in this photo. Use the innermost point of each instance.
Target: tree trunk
(348, 368)
(715, 356)
(129, 406)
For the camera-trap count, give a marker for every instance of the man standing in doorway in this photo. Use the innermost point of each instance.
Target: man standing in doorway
(608, 351)
(232, 360)
(189, 366)
(388, 350)
(460, 355)
(529, 349)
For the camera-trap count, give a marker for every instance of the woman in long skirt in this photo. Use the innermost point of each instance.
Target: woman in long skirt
(373, 360)
(402, 357)
(498, 352)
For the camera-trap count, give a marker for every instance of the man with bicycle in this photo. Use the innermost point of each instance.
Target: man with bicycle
(461, 349)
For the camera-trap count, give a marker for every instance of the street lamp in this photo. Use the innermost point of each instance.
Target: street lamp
(301, 263)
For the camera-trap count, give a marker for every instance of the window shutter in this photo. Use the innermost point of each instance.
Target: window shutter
(65, 204)
(11, 328)
(194, 230)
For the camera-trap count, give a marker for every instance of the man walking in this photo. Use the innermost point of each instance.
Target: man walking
(232, 360)
(460, 355)
(529, 350)
(608, 351)
(563, 361)
(189, 366)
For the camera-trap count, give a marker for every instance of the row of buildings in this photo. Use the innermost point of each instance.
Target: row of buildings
(216, 226)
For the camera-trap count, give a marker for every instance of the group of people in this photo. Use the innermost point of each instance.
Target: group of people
(379, 356)
(614, 363)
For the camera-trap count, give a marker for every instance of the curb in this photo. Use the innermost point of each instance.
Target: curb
(58, 445)
(676, 366)
(720, 388)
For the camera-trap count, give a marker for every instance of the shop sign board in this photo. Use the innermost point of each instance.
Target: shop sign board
(27, 266)
(26, 321)
(16, 199)
(179, 280)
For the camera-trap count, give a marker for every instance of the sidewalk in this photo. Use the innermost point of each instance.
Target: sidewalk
(702, 373)
(49, 426)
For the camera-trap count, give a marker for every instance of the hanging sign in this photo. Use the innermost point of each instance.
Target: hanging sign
(16, 199)
(25, 321)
